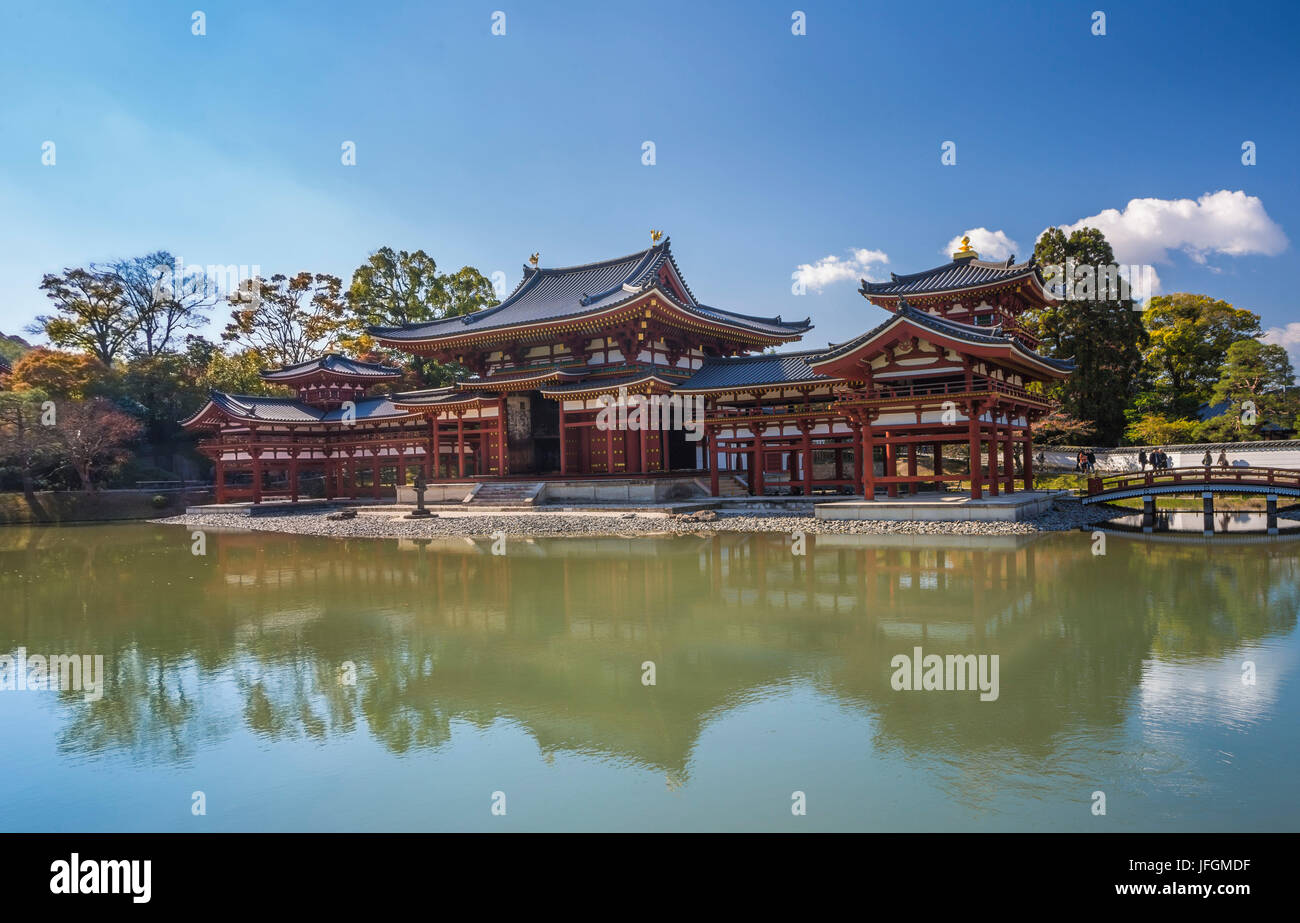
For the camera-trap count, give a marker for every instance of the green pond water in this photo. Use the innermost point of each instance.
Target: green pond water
(518, 679)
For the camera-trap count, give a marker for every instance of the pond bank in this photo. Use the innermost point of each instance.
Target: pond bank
(1064, 516)
(52, 507)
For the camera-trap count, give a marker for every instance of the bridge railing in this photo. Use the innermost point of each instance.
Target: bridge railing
(1199, 476)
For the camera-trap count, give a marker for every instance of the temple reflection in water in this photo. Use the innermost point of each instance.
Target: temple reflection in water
(552, 635)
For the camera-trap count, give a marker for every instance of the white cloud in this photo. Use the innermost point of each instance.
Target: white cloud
(832, 269)
(990, 245)
(1222, 222)
(1288, 337)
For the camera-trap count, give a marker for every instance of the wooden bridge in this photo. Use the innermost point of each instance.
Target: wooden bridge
(1240, 480)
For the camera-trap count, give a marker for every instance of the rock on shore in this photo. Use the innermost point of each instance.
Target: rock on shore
(1064, 516)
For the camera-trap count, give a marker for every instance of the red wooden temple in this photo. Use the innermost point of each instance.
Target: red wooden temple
(948, 378)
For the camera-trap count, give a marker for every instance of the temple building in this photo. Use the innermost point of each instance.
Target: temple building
(949, 377)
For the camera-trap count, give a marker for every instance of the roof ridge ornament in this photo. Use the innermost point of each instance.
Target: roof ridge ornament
(656, 236)
(535, 259)
(965, 251)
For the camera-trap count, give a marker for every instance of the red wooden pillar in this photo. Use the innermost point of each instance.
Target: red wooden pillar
(293, 478)
(1029, 459)
(807, 459)
(609, 449)
(757, 474)
(436, 449)
(564, 441)
(460, 444)
(974, 433)
(911, 467)
(891, 463)
(868, 462)
(502, 468)
(993, 475)
(643, 443)
(219, 484)
(257, 475)
(713, 462)
(1009, 460)
(374, 475)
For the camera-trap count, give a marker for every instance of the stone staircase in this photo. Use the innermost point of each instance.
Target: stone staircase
(505, 493)
(728, 486)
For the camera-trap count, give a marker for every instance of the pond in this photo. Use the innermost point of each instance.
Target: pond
(700, 682)
(1224, 522)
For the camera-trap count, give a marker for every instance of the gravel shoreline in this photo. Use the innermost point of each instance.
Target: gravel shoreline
(1064, 516)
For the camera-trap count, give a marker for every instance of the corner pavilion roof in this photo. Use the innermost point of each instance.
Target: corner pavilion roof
(955, 276)
(251, 408)
(967, 333)
(334, 364)
(552, 294)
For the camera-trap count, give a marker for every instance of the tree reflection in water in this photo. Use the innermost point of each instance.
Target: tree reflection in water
(552, 635)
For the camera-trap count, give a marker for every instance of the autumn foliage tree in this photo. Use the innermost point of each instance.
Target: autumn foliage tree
(93, 436)
(62, 374)
(27, 444)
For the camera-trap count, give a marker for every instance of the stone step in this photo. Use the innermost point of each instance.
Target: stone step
(514, 493)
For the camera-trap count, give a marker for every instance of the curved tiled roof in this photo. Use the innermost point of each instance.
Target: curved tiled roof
(335, 364)
(552, 294)
(965, 332)
(954, 276)
(257, 408)
(435, 397)
(604, 384)
(746, 371)
(556, 370)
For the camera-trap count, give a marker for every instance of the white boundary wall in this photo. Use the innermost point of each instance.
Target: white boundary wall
(1240, 454)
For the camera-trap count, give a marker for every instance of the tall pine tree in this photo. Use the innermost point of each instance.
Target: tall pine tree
(1093, 326)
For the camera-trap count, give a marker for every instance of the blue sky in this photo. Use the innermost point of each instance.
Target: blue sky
(773, 151)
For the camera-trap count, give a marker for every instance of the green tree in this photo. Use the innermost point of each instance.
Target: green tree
(1253, 382)
(1097, 329)
(163, 300)
(165, 389)
(1155, 429)
(396, 287)
(287, 319)
(235, 373)
(91, 313)
(1189, 336)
